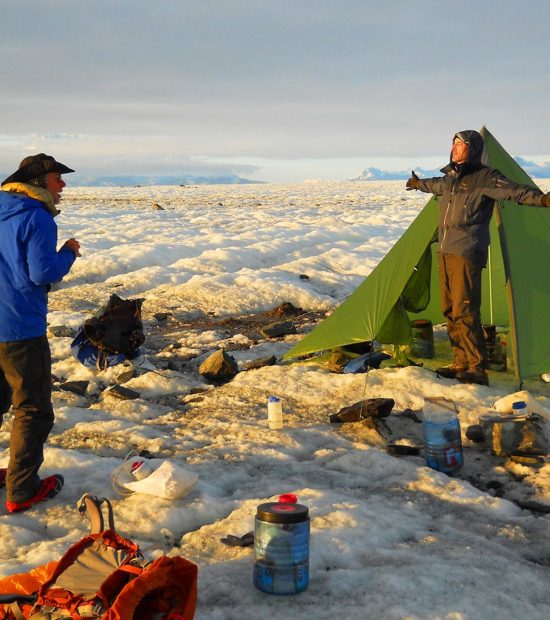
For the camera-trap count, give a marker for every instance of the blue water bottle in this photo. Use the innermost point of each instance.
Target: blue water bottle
(281, 547)
(442, 437)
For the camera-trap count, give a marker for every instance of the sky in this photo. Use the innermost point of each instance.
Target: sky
(280, 92)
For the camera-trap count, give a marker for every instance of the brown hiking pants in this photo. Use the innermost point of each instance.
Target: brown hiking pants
(26, 385)
(460, 285)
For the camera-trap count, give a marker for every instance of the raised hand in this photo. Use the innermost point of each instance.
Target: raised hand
(412, 183)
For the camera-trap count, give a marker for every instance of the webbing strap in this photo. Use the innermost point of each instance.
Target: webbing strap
(92, 506)
(130, 568)
(102, 356)
(16, 611)
(47, 612)
(86, 610)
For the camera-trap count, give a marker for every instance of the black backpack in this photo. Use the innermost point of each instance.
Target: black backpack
(117, 327)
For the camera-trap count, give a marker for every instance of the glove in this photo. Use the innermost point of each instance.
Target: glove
(412, 183)
(545, 200)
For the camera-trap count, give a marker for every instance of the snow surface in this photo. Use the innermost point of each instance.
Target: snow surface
(390, 538)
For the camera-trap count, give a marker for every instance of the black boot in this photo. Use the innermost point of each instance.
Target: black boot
(477, 375)
(450, 372)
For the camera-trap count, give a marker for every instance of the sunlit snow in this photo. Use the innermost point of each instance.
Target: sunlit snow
(390, 538)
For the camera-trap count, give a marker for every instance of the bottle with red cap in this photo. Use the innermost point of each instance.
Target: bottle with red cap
(281, 546)
(140, 469)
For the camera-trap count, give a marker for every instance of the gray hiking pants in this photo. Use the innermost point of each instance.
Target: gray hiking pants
(26, 385)
(460, 285)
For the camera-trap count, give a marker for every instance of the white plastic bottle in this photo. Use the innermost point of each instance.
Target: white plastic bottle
(141, 469)
(274, 413)
(519, 408)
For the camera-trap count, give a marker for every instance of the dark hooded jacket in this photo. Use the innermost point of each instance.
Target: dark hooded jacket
(467, 195)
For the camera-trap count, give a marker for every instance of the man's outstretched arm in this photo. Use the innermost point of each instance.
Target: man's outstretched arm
(434, 185)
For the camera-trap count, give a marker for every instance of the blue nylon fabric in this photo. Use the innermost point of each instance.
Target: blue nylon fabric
(88, 354)
(29, 262)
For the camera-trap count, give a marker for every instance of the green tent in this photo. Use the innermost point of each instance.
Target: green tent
(404, 285)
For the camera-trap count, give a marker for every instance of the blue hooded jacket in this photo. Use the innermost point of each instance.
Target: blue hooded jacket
(29, 263)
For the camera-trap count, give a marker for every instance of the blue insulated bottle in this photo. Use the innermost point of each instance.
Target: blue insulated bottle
(281, 548)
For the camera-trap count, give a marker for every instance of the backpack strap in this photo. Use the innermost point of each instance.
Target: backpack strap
(102, 358)
(134, 569)
(92, 506)
(16, 611)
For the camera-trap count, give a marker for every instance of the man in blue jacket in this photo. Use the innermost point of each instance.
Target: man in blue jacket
(29, 264)
(467, 194)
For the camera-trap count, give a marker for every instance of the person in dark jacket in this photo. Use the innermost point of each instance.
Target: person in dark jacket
(467, 194)
(29, 264)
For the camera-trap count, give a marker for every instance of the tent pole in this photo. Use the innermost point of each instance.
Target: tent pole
(490, 265)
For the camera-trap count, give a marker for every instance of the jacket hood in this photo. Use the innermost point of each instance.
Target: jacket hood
(475, 143)
(19, 197)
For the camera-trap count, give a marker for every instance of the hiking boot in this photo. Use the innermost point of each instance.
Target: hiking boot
(3, 474)
(478, 376)
(450, 372)
(49, 488)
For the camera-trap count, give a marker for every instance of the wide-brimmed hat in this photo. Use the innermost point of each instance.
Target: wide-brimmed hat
(34, 166)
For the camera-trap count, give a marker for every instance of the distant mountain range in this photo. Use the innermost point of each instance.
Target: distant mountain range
(375, 174)
(137, 180)
(537, 171)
